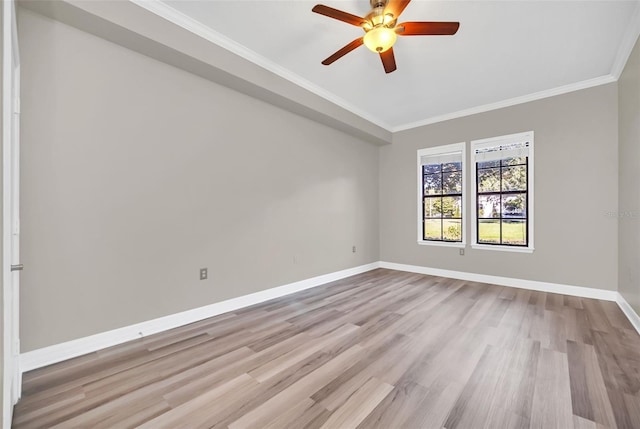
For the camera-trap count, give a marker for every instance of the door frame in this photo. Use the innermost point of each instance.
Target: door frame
(12, 379)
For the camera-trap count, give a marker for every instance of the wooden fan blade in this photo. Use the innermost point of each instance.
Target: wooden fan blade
(396, 7)
(339, 15)
(427, 28)
(344, 51)
(388, 60)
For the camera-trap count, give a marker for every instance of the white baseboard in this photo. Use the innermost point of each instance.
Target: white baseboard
(584, 292)
(81, 346)
(629, 312)
(70, 349)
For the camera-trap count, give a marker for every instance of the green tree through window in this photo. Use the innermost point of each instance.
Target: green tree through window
(502, 193)
(442, 201)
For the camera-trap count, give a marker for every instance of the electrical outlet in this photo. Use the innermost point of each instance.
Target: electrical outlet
(353, 249)
(461, 252)
(204, 273)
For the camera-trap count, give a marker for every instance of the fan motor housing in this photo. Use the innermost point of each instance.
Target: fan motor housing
(377, 17)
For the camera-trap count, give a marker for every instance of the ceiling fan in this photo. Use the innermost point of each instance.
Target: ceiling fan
(381, 29)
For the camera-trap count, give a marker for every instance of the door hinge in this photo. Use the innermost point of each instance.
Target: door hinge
(17, 267)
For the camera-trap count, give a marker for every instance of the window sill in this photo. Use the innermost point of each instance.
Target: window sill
(442, 244)
(503, 248)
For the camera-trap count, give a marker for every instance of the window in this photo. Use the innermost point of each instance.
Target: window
(441, 178)
(503, 192)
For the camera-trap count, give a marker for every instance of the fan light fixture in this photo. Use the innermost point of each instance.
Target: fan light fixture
(380, 39)
(381, 29)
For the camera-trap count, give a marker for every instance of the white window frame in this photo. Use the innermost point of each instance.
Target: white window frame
(494, 141)
(443, 150)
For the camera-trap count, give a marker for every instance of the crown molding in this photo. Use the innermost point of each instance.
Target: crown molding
(196, 27)
(602, 80)
(178, 18)
(628, 42)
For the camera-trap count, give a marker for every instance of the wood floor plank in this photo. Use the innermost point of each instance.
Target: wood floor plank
(600, 402)
(632, 403)
(275, 366)
(146, 411)
(312, 418)
(500, 390)
(273, 387)
(580, 398)
(291, 415)
(305, 387)
(45, 410)
(101, 401)
(383, 349)
(395, 408)
(335, 393)
(136, 401)
(359, 405)
(552, 397)
(194, 413)
(435, 408)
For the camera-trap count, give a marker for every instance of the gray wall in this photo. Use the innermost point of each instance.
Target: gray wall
(629, 208)
(136, 174)
(576, 170)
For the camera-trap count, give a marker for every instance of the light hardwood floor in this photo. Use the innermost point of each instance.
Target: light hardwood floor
(382, 349)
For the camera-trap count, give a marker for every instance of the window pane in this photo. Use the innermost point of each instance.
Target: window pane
(452, 182)
(452, 166)
(432, 184)
(431, 168)
(452, 230)
(433, 207)
(489, 180)
(433, 229)
(514, 232)
(489, 231)
(452, 207)
(514, 178)
(488, 164)
(488, 206)
(514, 161)
(514, 206)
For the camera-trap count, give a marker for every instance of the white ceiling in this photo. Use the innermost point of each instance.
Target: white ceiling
(503, 50)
